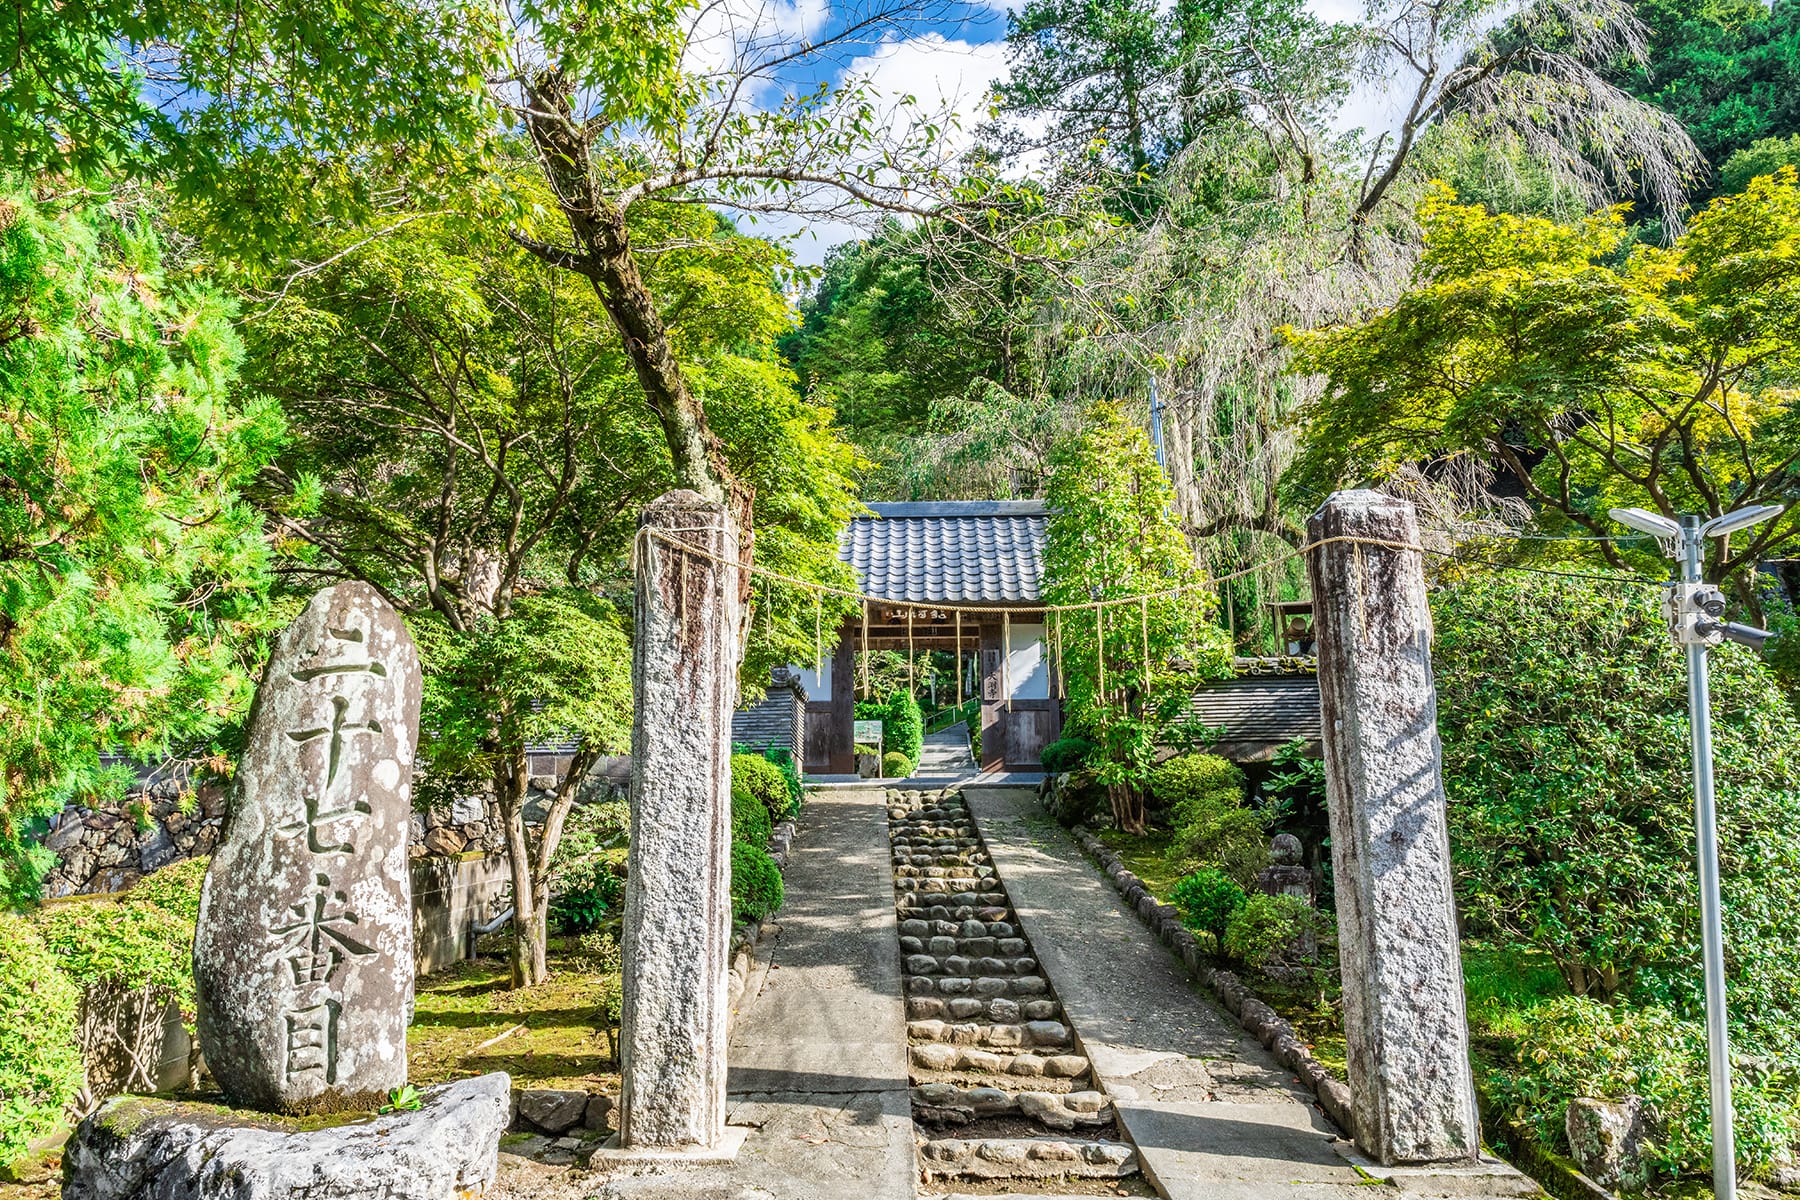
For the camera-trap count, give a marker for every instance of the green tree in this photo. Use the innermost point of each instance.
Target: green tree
(1763, 157)
(1129, 668)
(461, 444)
(556, 667)
(133, 575)
(1663, 378)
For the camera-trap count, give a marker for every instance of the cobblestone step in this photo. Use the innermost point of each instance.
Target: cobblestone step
(989, 1055)
(1025, 1158)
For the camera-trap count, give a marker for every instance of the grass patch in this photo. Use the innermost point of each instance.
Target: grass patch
(555, 1041)
(1145, 855)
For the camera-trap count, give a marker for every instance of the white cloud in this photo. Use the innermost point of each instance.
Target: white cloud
(725, 28)
(943, 75)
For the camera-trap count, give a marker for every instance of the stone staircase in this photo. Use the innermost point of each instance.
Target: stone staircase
(1000, 1093)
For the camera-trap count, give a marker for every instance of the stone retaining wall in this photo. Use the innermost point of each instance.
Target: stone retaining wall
(167, 816)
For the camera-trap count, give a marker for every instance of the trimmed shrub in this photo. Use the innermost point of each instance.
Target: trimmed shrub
(1067, 754)
(762, 780)
(1274, 932)
(750, 821)
(1564, 723)
(755, 883)
(1208, 899)
(903, 726)
(1212, 825)
(40, 1065)
(896, 765)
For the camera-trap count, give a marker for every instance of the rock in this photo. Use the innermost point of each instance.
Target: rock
(597, 1114)
(303, 955)
(444, 840)
(149, 1149)
(1606, 1141)
(553, 1110)
(67, 833)
(465, 809)
(156, 849)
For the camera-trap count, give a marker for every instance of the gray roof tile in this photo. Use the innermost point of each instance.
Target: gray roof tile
(954, 552)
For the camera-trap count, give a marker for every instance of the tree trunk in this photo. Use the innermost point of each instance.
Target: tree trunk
(1127, 807)
(528, 960)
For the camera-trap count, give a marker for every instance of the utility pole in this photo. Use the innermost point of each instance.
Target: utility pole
(1693, 608)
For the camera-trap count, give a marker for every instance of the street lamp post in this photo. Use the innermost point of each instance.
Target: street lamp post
(1693, 609)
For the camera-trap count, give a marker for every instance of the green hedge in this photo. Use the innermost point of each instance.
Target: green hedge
(755, 883)
(750, 822)
(763, 780)
(1213, 826)
(40, 1066)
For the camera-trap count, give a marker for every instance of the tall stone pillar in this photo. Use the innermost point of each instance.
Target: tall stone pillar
(678, 892)
(1412, 1091)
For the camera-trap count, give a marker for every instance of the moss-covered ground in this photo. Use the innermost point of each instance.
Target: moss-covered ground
(1146, 855)
(467, 1021)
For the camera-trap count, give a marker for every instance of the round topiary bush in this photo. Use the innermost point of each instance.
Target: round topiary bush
(40, 1064)
(1208, 899)
(1213, 826)
(755, 883)
(895, 765)
(750, 822)
(763, 780)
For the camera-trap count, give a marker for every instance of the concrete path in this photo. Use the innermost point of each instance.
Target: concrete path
(946, 752)
(818, 1056)
(1214, 1116)
(818, 1049)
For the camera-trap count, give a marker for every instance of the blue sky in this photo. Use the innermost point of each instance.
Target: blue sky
(951, 62)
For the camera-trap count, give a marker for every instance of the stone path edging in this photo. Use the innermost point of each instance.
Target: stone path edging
(1257, 1018)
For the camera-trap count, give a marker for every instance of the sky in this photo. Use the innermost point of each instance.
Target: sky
(952, 62)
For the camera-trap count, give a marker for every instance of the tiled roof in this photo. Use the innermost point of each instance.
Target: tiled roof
(954, 551)
(1268, 709)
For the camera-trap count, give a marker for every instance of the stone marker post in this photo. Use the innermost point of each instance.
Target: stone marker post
(303, 953)
(678, 890)
(1408, 1036)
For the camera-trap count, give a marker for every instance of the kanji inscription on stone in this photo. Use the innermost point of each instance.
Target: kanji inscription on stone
(303, 955)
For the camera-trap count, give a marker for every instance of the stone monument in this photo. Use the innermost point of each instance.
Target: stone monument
(1284, 876)
(303, 956)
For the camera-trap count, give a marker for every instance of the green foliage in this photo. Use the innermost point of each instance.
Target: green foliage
(40, 1066)
(895, 765)
(128, 942)
(755, 882)
(133, 576)
(1112, 535)
(750, 822)
(1564, 722)
(903, 725)
(558, 665)
(1067, 753)
(1208, 899)
(1728, 69)
(586, 875)
(783, 759)
(1575, 1046)
(1212, 825)
(1594, 377)
(767, 783)
(1763, 157)
(1273, 933)
(403, 1099)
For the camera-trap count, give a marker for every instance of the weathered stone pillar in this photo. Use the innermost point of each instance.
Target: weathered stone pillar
(678, 893)
(1413, 1094)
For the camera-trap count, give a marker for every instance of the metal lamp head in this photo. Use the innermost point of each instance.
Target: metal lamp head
(1645, 521)
(1743, 518)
